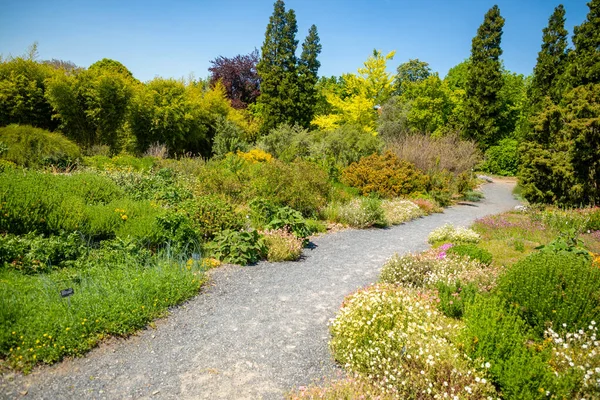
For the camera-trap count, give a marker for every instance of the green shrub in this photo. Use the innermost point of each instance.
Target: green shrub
(502, 159)
(120, 163)
(558, 288)
(211, 214)
(403, 344)
(34, 147)
(282, 245)
(229, 138)
(32, 253)
(266, 215)
(454, 297)
(364, 212)
(473, 252)
(385, 175)
(501, 341)
(243, 248)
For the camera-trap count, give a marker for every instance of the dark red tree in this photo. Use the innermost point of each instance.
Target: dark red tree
(239, 76)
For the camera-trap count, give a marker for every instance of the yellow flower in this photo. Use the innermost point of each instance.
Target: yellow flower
(124, 217)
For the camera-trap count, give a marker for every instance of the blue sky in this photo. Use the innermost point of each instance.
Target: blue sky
(179, 38)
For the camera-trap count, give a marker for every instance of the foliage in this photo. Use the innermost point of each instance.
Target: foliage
(498, 338)
(229, 138)
(237, 247)
(22, 93)
(277, 69)
(122, 163)
(255, 156)
(386, 175)
(553, 287)
(31, 253)
(398, 211)
(398, 339)
(363, 212)
(308, 68)
(454, 297)
(266, 215)
(584, 68)
(410, 72)
(34, 147)
(91, 105)
(114, 294)
(473, 252)
(282, 245)
(503, 158)
(238, 76)
(561, 156)
(372, 86)
(449, 233)
(484, 82)
(210, 215)
(551, 60)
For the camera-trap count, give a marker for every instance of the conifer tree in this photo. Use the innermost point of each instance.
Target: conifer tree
(484, 82)
(308, 67)
(585, 63)
(277, 69)
(551, 60)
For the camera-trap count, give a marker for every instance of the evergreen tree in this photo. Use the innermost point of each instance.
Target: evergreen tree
(277, 69)
(484, 82)
(585, 63)
(409, 72)
(551, 61)
(308, 67)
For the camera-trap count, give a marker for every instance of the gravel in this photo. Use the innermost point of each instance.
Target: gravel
(254, 332)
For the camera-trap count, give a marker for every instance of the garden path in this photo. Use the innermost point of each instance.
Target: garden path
(255, 332)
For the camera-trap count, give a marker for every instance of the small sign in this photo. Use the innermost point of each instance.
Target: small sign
(67, 292)
(195, 256)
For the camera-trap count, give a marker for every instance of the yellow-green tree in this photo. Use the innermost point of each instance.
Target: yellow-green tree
(371, 86)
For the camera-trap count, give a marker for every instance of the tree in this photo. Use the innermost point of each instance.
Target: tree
(106, 64)
(239, 77)
(585, 62)
(410, 72)
(457, 76)
(277, 70)
(308, 68)
(484, 82)
(551, 60)
(91, 105)
(355, 104)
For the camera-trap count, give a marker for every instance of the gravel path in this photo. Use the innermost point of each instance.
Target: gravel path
(255, 332)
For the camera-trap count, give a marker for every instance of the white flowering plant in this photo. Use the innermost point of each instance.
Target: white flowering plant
(398, 211)
(396, 338)
(450, 233)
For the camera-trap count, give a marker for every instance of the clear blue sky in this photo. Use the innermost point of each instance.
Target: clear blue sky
(179, 38)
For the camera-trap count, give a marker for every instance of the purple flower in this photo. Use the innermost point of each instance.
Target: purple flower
(442, 255)
(445, 247)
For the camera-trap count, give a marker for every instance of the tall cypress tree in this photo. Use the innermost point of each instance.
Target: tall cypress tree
(308, 68)
(551, 61)
(585, 63)
(277, 69)
(484, 82)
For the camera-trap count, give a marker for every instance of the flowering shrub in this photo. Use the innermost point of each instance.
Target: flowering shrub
(576, 355)
(453, 234)
(398, 211)
(360, 213)
(282, 245)
(428, 206)
(430, 268)
(400, 341)
(255, 156)
(473, 252)
(386, 175)
(210, 215)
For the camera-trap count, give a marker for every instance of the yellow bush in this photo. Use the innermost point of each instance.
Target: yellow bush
(255, 156)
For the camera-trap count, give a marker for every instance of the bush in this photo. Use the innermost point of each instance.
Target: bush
(282, 245)
(448, 233)
(266, 215)
(34, 147)
(236, 247)
(386, 175)
(454, 297)
(403, 344)
(499, 339)
(125, 163)
(428, 206)
(364, 212)
(398, 211)
(229, 138)
(210, 215)
(473, 252)
(502, 159)
(557, 288)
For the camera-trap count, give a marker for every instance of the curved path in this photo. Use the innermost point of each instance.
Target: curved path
(255, 332)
